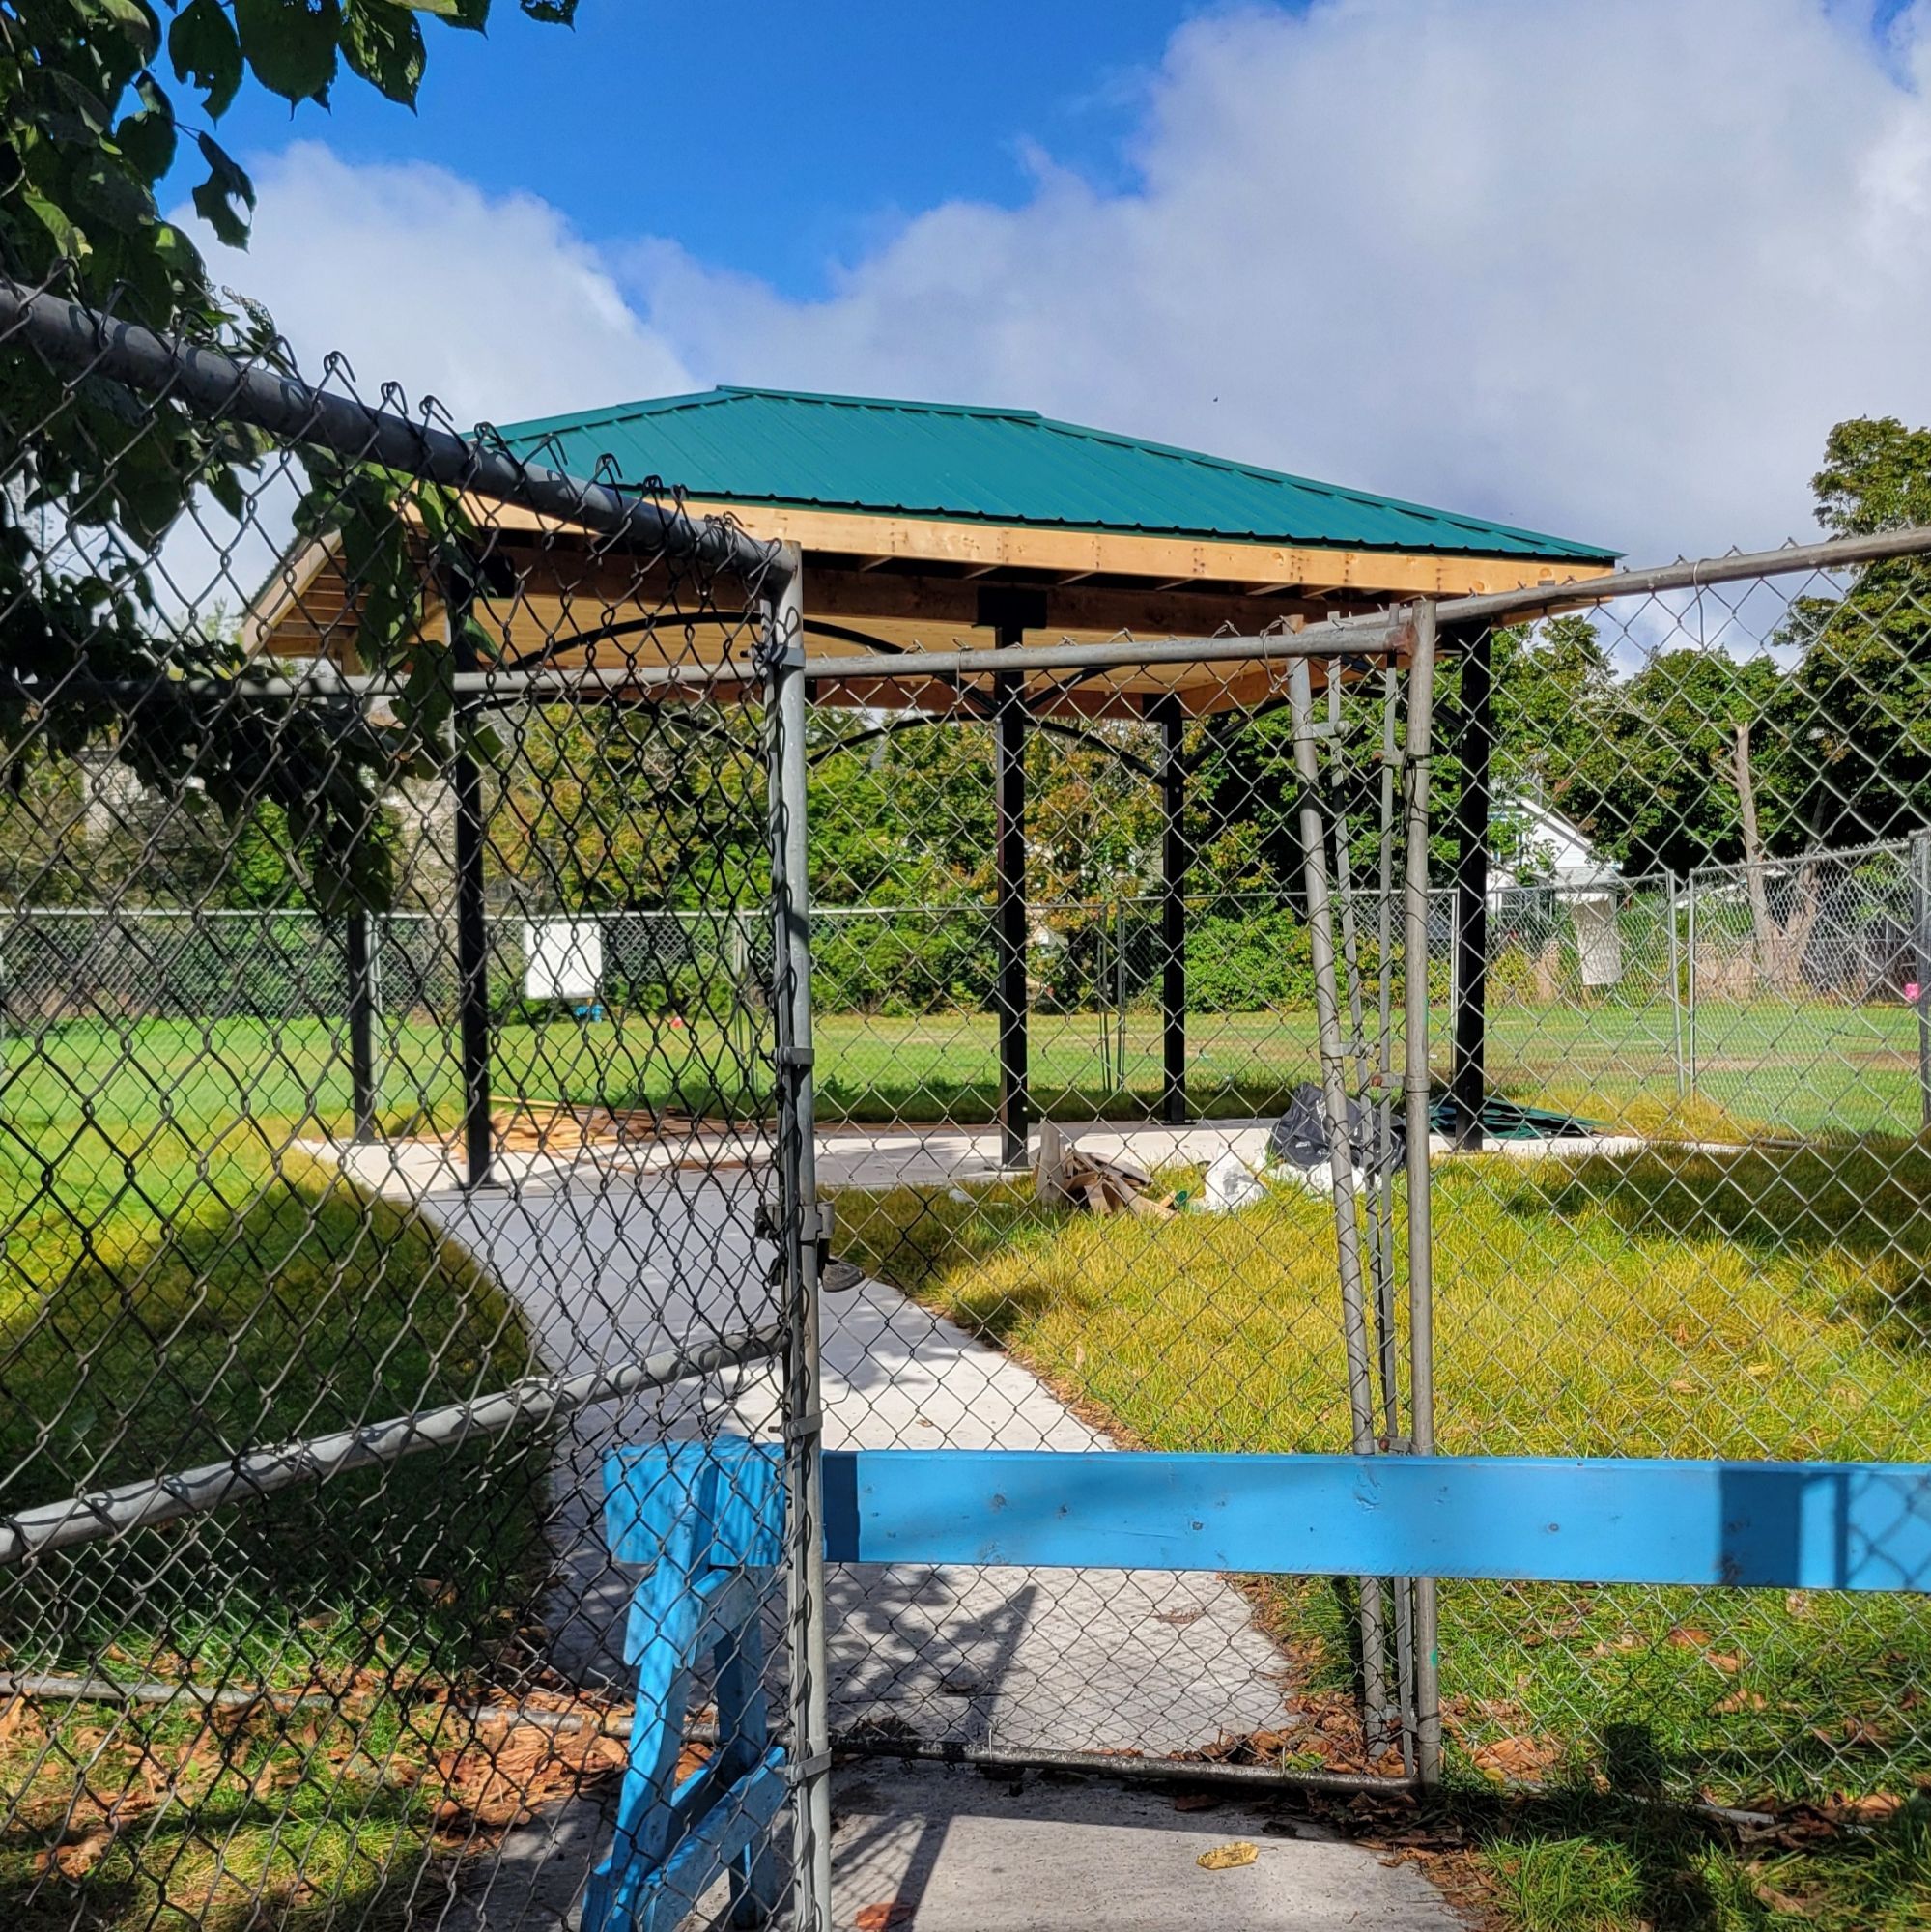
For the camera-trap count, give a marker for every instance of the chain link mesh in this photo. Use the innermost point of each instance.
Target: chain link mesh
(395, 1058)
(325, 1185)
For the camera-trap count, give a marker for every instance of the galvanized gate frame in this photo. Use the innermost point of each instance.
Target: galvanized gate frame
(1411, 1515)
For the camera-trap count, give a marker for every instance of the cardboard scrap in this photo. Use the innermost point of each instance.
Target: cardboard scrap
(1068, 1175)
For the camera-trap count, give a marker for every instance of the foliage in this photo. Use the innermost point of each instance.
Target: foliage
(91, 123)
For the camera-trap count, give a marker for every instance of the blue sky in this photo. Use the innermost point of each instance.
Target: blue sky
(777, 140)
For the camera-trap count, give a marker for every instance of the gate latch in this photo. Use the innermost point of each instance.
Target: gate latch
(817, 1227)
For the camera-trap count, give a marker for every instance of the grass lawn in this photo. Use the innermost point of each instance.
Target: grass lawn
(170, 1289)
(1805, 1069)
(170, 1292)
(1766, 1304)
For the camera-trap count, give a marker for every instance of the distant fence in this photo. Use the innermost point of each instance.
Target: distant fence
(1793, 996)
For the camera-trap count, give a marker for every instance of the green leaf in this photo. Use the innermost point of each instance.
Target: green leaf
(110, 192)
(148, 138)
(68, 238)
(383, 44)
(137, 22)
(290, 45)
(226, 199)
(206, 53)
(86, 103)
(444, 10)
(553, 13)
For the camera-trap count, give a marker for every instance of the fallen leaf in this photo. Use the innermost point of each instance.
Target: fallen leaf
(1225, 1858)
(882, 1918)
(1871, 1810)
(1741, 1700)
(1687, 1636)
(1507, 1759)
(1196, 1800)
(1725, 1660)
(1784, 1903)
(77, 1860)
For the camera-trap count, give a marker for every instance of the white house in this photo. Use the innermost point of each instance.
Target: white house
(1546, 852)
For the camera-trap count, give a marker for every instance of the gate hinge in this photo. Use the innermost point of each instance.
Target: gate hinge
(795, 1056)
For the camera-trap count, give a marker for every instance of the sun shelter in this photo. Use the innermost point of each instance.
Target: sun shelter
(966, 531)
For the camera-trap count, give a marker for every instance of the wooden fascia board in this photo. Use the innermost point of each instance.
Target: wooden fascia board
(977, 546)
(1168, 560)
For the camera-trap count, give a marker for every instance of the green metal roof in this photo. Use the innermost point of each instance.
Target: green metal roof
(1010, 466)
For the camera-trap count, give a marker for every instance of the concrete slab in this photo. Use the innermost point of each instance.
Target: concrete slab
(934, 1849)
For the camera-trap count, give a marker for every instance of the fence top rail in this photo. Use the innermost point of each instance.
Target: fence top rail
(1899, 847)
(215, 385)
(1539, 600)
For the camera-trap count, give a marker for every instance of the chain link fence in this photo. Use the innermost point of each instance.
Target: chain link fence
(409, 1069)
(373, 1344)
(1691, 1224)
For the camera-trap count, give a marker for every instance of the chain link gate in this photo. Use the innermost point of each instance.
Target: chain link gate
(1611, 1260)
(410, 1409)
(981, 1305)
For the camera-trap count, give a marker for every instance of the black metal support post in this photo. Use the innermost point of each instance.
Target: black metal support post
(472, 939)
(1920, 947)
(1010, 913)
(1009, 613)
(359, 947)
(1173, 861)
(1474, 738)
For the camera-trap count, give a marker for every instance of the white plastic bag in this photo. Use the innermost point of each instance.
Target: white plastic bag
(1231, 1184)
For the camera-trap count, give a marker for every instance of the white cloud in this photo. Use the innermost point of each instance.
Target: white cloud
(1609, 269)
(490, 304)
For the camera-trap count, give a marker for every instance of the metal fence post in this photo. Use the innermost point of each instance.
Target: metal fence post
(472, 939)
(1415, 1088)
(1172, 910)
(1675, 983)
(798, 1229)
(359, 942)
(1689, 981)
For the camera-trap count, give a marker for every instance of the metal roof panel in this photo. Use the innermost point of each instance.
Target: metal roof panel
(1011, 467)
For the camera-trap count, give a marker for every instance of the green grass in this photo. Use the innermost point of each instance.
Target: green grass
(171, 1289)
(1769, 1303)
(1804, 1069)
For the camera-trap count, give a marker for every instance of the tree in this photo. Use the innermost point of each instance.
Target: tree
(90, 125)
(1656, 787)
(1856, 718)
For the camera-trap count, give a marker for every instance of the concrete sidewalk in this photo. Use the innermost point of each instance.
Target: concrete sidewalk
(610, 1264)
(934, 1849)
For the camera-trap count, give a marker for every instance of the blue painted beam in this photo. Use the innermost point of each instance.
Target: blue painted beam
(1788, 1526)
